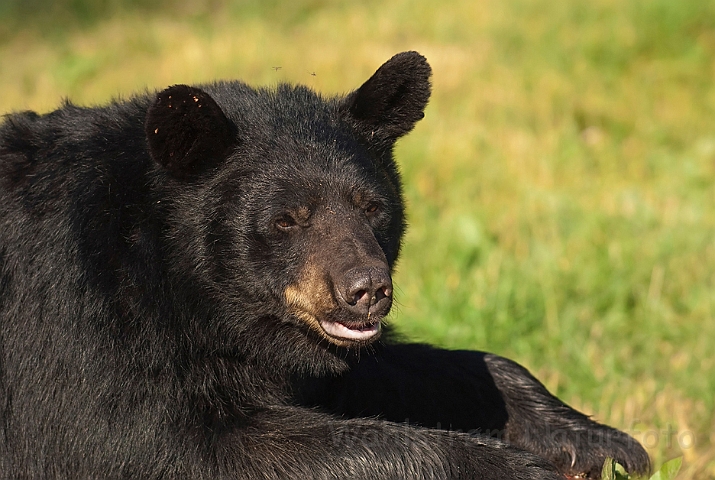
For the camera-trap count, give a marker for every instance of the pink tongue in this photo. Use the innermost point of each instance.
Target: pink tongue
(339, 330)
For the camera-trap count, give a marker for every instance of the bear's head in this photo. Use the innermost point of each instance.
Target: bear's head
(289, 211)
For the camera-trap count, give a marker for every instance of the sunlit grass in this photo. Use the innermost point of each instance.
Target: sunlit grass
(561, 188)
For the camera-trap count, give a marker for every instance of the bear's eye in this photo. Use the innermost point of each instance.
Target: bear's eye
(285, 222)
(372, 209)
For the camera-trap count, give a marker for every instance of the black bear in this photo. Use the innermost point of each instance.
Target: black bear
(193, 285)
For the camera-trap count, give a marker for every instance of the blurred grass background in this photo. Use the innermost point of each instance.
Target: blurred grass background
(561, 188)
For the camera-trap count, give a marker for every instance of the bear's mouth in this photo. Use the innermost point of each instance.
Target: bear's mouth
(351, 331)
(318, 310)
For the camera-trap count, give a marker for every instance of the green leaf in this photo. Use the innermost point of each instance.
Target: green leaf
(668, 470)
(608, 471)
(613, 470)
(621, 473)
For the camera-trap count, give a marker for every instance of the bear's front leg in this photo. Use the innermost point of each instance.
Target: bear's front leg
(476, 392)
(299, 443)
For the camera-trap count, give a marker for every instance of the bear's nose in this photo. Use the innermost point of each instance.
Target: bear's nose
(367, 290)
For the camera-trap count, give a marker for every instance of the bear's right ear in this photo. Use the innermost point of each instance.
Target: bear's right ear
(186, 130)
(389, 104)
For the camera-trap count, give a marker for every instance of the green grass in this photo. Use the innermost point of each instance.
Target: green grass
(561, 189)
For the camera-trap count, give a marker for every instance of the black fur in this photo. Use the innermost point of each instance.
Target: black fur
(475, 392)
(192, 283)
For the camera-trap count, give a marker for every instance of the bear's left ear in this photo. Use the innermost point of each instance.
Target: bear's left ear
(389, 104)
(187, 130)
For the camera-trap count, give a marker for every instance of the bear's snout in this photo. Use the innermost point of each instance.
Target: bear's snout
(366, 291)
